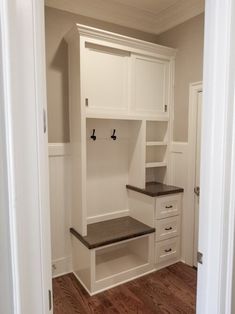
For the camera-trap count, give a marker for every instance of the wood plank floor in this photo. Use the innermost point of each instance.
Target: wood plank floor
(171, 290)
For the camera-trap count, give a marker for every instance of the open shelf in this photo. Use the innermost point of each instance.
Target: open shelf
(156, 154)
(156, 131)
(155, 164)
(113, 263)
(114, 251)
(120, 258)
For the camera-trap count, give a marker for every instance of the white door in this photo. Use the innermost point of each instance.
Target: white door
(150, 81)
(197, 175)
(106, 79)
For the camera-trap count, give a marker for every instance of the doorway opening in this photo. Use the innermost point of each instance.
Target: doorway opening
(119, 151)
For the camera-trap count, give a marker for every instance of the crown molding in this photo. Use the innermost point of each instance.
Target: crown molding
(134, 44)
(129, 16)
(178, 13)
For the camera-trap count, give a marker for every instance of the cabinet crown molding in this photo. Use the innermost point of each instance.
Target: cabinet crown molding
(126, 43)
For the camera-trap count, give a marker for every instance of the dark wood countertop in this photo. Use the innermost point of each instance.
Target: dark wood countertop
(154, 189)
(111, 231)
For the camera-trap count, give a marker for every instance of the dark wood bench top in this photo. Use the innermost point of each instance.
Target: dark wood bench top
(156, 189)
(111, 231)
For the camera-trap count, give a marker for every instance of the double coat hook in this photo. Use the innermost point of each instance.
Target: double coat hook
(113, 136)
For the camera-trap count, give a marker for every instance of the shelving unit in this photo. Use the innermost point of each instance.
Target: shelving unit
(120, 101)
(157, 139)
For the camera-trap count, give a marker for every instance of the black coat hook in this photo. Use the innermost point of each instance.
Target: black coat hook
(93, 135)
(113, 136)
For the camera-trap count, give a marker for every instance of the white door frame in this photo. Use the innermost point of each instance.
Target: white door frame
(22, 23)
(194, 89)
(217, 182)
(25, 146)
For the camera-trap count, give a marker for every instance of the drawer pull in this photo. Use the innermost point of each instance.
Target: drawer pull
(169, 206)
(168, 229)
(168, 251)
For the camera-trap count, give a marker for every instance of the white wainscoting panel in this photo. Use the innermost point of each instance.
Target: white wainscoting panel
(59, 171)
(179, 177)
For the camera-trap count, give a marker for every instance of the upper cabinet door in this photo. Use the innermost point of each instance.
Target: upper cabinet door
(106, 79)
(150, 85)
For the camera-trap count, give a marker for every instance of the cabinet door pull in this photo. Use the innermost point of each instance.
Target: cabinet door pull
(86, 102)
(169, 250)
(168, 229)
(169, 206)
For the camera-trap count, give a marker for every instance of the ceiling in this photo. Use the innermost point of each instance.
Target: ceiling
(152, 16)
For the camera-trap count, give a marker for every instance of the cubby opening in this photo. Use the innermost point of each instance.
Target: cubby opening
(116, 259)
(111, 164)
(156, 131)
(156, 154)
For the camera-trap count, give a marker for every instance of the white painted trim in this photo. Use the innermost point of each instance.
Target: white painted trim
(132, 16)
(108, 216)
(114, 285)
(170, 263)
(216, 217)
(8, 280)
(61, 266)
(22, 27)
(194, 89)
(58, 149)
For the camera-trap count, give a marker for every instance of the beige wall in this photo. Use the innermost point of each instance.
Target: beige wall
(188, 39)
(57, 24)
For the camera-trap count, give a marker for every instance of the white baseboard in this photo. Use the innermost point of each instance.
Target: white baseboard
(117, 214)
(61, 266)
(114, 285)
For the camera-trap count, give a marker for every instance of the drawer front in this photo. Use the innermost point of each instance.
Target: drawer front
(167, 228)
(167, 206)
(167, 250)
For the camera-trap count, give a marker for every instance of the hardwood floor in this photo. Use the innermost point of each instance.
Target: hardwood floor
(171, 290)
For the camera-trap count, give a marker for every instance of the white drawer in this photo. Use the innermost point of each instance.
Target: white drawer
(167, 250)
(167, 228)
(167, 206)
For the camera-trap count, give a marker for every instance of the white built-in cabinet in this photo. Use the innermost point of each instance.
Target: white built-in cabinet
(117, 81)
(118, 86)
(121, 76)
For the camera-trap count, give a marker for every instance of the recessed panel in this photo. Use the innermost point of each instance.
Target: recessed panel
(150, 85)
(106, 77)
